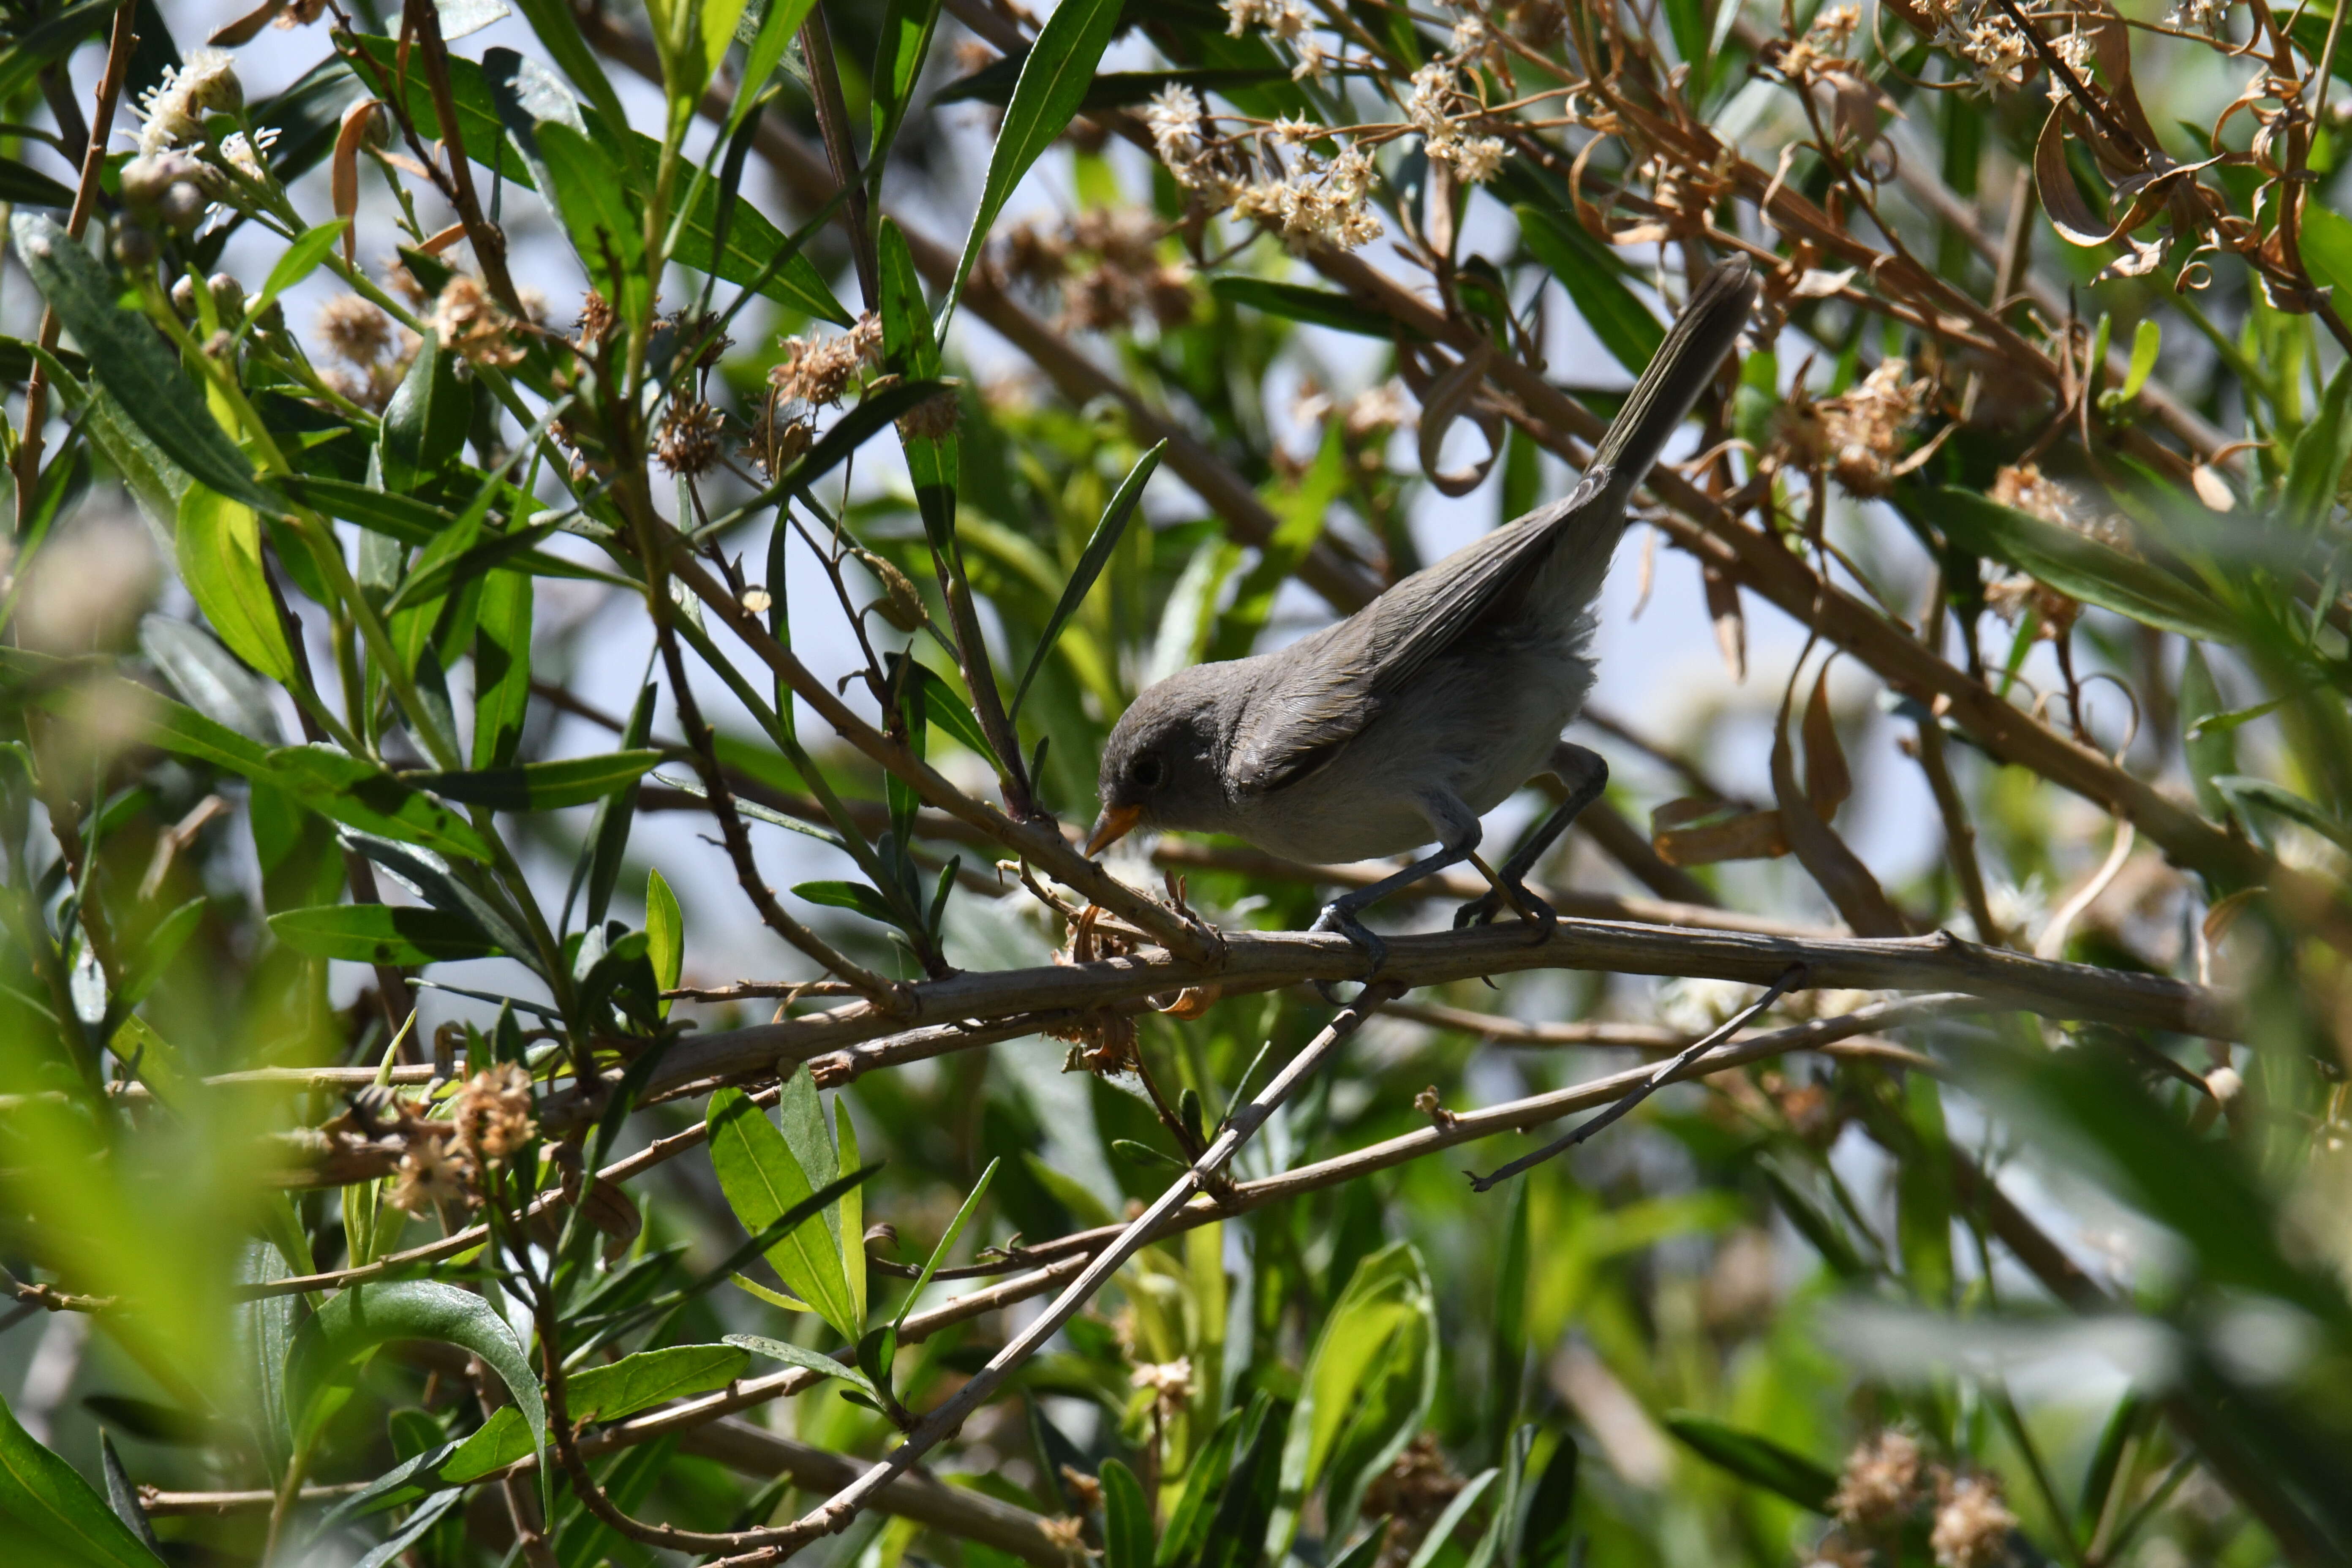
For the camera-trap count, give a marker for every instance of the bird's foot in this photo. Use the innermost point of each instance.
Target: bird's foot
(1337, 917)
(1481, 910)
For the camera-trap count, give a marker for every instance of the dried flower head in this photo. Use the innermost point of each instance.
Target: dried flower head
(402, 282)
(596, 321)
(470, 323)
(1861, 430)
(816, 371)
(492, 1114)
(1411, 1494)
(354, 330)
(776, 442)
(687, 442)
(1170, 1381)
(1083, 1489)
(1972, 1524)
(84, 590)
(1880, 1483)
(431, 1172)
(2028, 489)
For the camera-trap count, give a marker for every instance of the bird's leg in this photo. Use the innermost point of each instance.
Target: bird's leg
(1458, 834)
(1585, 781)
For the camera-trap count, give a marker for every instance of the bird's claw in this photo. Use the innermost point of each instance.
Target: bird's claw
(1481, 910)
(1337, 918)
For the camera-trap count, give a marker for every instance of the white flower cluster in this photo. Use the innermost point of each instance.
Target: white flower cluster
(1318, 203)
(1474, 159)
(172, 111)
(1286, 19)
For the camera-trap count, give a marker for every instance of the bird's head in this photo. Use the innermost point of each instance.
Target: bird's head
(1161, 767)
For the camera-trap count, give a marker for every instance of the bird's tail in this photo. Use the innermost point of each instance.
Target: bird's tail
(1678, 373)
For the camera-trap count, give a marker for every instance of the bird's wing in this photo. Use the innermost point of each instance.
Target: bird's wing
(1335, 684)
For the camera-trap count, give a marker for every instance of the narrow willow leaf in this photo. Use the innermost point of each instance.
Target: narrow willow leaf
(1440, 1533)
(1091, 561)
(356, 792)
(1298, 302)
(2076, 564)
(51, 38)
(648, 1378)
(902, 43)
(501, 667)
(540, 786)
(947, 1242)
(763, 1181)
(1054, 80)
(134, 362)
(1545, 1531)
(665, 934)
(424, 423)
(303, 257)
(1126, 1518)
(1623, 323)
(46, 1498)
(1756, 1459)
(379, 934)
(807, 1361)
(22, 185)
(219, 550)
(2250, 791)
(358, 1319)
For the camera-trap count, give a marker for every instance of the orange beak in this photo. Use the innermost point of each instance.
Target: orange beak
(1115, 824)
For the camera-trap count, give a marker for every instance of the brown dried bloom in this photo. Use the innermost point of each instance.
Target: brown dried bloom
(594, 322)
(1862, 428)
(687, 442)
(354, 330)
(1972, 1524)
(1411, 1494)
(2054, 614)
(1880, 1483)
(492, 1114)
(816, 371)
(1082, 1489)
(470, 323)
(1068, 1532)
(1170, 1381)
(2028, 491)
(776, 443)
(402, 282)
(1101, 1042)
(431, 1173)
(300, 13)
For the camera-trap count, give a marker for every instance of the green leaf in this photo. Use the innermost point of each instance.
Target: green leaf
(301, 258)
(132, 362)
(22, 185)
(763, 1181)
(1623, 323)
(1756, 1459)
(2147, 340)
(947, 1241)
(1298, 302)
(1203, 1477)
(1442, 1532)
(51, 38)
(2075, 564)
(665, 934)
(501, 667)
(648, 1378)
(424, 423)
(356, 1320)
(807, 1361)
(859, 898)
(2250, 791)
(1366, 1389)
(1544, 1531)
(900, 47)
(849, 1219)
(379, 934)
(595, 204)
(1126, 1518)
(2326, 234)
(1054, 82)
(46, 1498)
(2314, 470)
(540, 786)
(559, 33)
(1091, 562)
(2210, 750)
(352, 790)
(219, 550)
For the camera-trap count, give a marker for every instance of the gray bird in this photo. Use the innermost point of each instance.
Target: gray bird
(1427, 708)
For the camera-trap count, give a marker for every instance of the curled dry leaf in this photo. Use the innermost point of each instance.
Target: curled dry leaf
(359, 124)
(1699, 832)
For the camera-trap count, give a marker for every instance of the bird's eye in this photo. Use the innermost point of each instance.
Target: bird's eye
(1148, 771)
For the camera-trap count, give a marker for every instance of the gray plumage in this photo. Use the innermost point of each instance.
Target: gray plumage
(1427, 708)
